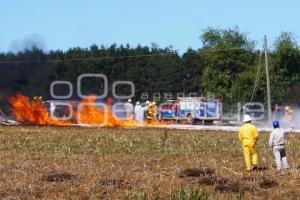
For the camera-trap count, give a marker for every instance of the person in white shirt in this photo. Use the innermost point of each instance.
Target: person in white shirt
(138, 113)
(129, 110)
(277, 143)
(52, 109)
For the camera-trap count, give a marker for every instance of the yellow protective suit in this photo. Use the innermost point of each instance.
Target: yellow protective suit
(150, 112)
(248, 136)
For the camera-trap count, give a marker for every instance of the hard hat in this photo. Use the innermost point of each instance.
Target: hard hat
(147, 102)
(275, 124)
(247, 118)
(137, 103)
(153, 103)
(287, 108)
(129, 100)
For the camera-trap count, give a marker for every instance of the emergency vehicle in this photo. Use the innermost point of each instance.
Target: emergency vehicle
(191, 109)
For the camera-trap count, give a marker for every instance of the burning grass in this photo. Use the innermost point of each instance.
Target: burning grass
(137, 163)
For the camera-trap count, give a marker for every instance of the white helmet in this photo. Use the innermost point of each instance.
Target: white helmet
(287, 108)
(247, 118)
(129, 100)
(147, 102)
(137, 103)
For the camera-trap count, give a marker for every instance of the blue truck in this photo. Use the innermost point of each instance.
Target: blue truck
(191, 109)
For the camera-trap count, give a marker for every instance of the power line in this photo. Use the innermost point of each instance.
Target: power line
(116, 57)
(82, 59)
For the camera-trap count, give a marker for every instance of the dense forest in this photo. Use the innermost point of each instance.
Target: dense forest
(228, 65)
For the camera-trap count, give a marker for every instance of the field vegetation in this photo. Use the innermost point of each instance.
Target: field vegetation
(138, 163)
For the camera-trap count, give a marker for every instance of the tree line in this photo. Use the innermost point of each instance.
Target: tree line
(228, 64)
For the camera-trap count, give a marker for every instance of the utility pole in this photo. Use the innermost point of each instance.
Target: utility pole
(268, 81)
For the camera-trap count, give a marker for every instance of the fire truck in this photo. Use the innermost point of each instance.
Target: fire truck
(191, 109)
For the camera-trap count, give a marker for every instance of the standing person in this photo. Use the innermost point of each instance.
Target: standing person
(129, 110)
(151, 111)
(277, 144)
(136, 108)
(248, 136)
(52, 109)
(138, 113)
(287, 120)
(145, 108)
(155, 110)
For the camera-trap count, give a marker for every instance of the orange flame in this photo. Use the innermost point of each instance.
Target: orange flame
(35, 112)
(90, 114)
(32, 112)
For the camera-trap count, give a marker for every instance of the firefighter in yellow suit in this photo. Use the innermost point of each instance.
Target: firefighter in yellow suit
(150, 111)
(248, 136)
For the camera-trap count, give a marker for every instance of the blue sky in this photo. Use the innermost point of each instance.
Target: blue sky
(60, 24)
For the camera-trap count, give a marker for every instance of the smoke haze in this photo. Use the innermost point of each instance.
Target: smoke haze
(28, 42)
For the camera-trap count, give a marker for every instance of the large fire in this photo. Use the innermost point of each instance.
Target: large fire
(35, 112)
(90, 114)
(32, 112)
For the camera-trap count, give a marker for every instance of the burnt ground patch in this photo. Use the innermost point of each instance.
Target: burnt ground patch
(260, 168)
(56, 176)
(112, 183)
(203, 176)
(232, 187)
(267, 183)
(208, 176)
(197, 172)
(207, 180)
(115, 183)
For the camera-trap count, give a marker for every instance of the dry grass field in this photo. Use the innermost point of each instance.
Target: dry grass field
(138, 163)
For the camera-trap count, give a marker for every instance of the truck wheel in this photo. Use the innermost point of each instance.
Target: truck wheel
(190, 119)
